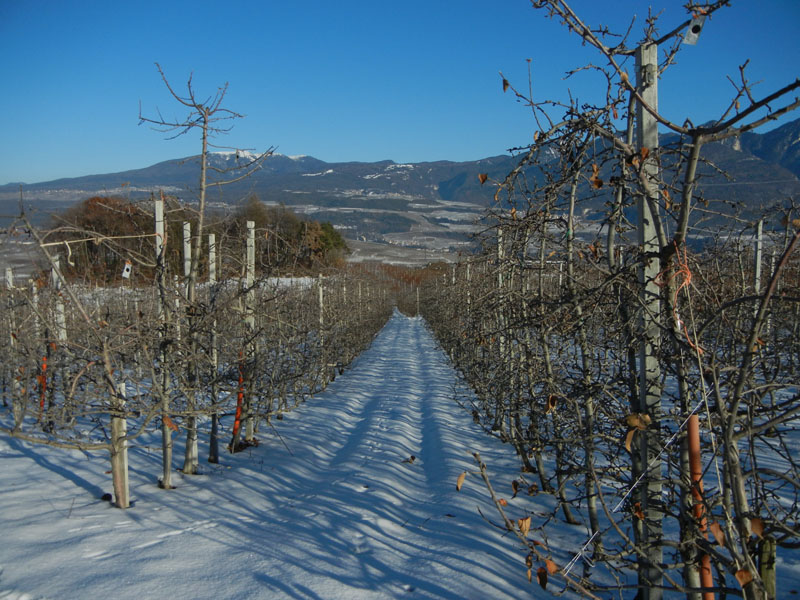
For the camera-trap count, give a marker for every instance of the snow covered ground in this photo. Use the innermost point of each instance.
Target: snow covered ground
(330, 505)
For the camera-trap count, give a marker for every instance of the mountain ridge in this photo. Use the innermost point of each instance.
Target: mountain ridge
(425, 204)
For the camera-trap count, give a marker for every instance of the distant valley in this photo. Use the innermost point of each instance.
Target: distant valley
(428, 206)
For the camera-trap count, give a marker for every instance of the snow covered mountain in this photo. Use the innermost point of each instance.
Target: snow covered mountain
(425, 205)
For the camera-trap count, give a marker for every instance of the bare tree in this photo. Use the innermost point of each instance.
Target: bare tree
(629, 334)
(211, 119)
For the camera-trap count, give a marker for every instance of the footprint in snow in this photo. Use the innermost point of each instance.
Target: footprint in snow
(359, 544)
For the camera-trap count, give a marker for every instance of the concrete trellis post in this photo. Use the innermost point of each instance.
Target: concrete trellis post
(166, 432)
(469, 292)
(321, 306)
(187, 252)
(649, 296)
(190, 464)
(758, 258)
(61, 314)
(213, 445)
(250, 320)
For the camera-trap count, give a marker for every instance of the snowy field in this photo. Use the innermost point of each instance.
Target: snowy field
(330, 505)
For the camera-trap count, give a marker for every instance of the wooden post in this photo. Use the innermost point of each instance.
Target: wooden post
(650, 579)
(768, 552)
(119, 449)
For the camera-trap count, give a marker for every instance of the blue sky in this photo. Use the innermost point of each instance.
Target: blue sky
(365, 80)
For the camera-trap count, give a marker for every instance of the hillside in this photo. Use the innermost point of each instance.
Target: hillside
(425, 205)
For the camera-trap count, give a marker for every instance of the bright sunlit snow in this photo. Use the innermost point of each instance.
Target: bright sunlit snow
(330, 505)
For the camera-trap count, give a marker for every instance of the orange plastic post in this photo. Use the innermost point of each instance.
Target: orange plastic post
(42, 386)
(237, 421)
(696, 471)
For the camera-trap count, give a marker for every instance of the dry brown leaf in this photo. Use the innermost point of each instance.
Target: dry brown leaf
(743, 576)
(638, 420)
(524, 525)
(757, 527)
(597, 183)
(623, 77)
(502, 502)
(629, 439)
(667, 198)
(515, 488)
(505, 84)
(529, 560)
(552, 400)
(716, 531)
(482, 177)
(169, 423)
(552, 567)
(530, 576)
(541, 577)
(460, 481)
(637, 511)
